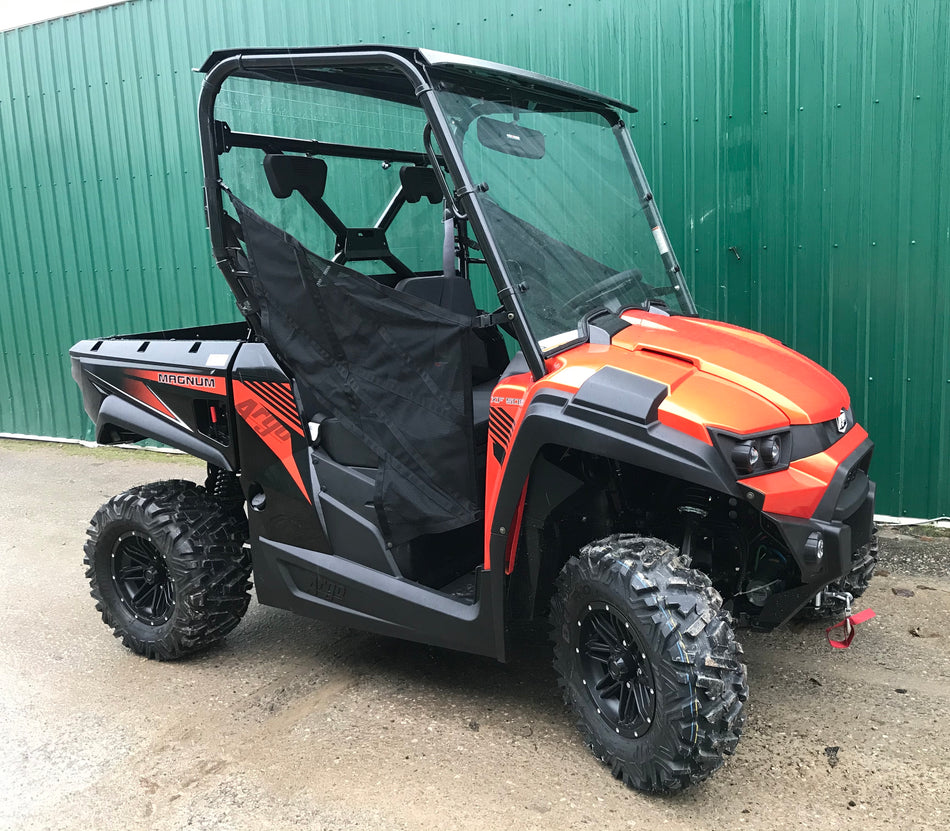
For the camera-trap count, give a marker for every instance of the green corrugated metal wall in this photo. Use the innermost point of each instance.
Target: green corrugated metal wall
(813, 137)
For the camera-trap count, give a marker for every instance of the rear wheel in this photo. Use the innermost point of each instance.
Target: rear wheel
(648, 662)
(167, 568)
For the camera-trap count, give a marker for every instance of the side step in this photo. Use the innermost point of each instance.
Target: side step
(463, 589)
(466, 615)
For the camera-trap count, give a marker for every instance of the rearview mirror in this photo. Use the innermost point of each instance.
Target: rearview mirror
(509, 137)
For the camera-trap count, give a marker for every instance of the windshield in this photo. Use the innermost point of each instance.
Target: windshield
(564, 213)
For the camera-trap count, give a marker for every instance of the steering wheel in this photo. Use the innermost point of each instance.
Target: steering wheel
(658, 291)
(584, 298)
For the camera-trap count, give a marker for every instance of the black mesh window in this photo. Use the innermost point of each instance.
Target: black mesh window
(393, 368)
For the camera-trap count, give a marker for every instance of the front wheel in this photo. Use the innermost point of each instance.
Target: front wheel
(167, 568)
(648, 662)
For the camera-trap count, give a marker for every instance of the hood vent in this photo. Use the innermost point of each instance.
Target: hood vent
(660, 354)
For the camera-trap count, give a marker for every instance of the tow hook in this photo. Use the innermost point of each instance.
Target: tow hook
(850, 620)
(828, 597)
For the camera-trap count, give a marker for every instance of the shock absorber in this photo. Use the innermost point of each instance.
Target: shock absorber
(225, 488)
(694, 509)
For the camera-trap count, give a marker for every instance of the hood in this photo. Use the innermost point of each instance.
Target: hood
(805, 392)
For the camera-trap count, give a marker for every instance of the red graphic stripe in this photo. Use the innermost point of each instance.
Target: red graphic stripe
(140, 391)
(274, 389)
(288, 411)
(497, 435)
(269, 428)
(278, 392)
(499, 427)
(281, 391)
(290, 419)
(504, 417)
(283, 399)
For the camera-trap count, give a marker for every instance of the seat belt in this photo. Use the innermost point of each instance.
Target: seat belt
(448, 244)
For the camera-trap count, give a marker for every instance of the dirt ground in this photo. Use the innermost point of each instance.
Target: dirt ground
(293, 723)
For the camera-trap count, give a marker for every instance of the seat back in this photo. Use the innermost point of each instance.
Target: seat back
(305, 174)
(486, 347)
(420, 182)
(452, 293)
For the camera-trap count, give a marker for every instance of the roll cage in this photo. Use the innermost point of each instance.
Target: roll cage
(405, 76)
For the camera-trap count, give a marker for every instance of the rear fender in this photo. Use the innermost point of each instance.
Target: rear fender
(121, 421)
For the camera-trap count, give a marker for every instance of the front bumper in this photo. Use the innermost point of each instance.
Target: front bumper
(845, 519)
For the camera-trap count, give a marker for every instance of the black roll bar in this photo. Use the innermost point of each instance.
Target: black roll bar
(211, 135)
(270, 144)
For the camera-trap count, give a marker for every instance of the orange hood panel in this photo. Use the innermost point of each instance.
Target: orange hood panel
(804, 392)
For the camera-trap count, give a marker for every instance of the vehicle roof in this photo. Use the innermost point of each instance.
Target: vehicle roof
(385, 81)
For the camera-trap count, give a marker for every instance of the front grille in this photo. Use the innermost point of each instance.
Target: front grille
(861, 523)
(854, 508)
(809, 439)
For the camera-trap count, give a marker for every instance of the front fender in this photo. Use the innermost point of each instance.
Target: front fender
(577, 422)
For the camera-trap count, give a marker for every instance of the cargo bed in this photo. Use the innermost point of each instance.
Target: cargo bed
(169, 385)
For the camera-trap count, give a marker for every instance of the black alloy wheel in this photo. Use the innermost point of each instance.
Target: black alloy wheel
(617, 673)
(142, 581)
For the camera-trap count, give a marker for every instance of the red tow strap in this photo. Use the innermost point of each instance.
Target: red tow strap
(848, 623)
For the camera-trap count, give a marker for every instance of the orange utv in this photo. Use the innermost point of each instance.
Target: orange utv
(469, 387)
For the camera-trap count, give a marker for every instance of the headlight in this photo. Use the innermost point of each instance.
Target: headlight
(814, 547)
(745, 456)
(771, 450)
(755, 455)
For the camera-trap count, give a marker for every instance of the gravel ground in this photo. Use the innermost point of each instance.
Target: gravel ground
(915, 549)
(293, 723)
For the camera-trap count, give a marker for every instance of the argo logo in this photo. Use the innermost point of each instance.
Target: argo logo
(261, 421)
(842, 421)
